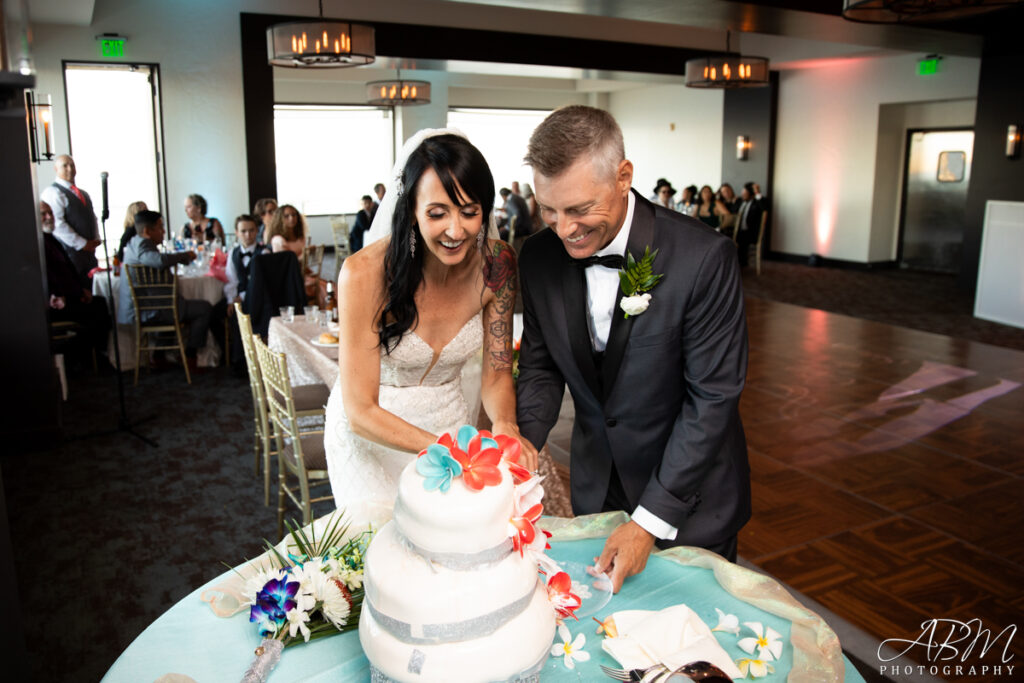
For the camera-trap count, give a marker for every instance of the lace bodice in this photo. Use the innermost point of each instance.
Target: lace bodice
(408, 364)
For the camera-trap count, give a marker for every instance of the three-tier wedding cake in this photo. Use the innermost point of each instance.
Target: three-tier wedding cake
(452, 586)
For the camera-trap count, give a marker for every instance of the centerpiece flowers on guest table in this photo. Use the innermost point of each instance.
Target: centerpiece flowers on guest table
(314, 592)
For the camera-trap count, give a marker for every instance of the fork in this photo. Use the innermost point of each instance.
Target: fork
(636, 675)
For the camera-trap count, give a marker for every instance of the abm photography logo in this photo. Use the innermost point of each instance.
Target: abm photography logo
(950, 648)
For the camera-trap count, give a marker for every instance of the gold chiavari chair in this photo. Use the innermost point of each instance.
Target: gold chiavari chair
(299, 453)
(309, 401)
(155, 290)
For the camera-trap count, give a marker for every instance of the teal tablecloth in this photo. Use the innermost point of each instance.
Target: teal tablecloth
(188, 639)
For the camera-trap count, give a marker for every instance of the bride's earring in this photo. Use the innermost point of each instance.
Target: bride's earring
(412, 243)
(480, 239)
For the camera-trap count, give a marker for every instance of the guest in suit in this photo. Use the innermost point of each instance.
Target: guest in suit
(264, 211)
(237, 272)
(129, 227)
(657, 430)
(74, 221)
(748, 220)
(141, 250)
(67, 298)
(517, 210)
(363, 220)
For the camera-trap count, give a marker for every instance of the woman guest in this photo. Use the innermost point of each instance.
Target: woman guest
(664, 193)
(534, 207)
(129, 227)
(413, 307)
(710, 209)
(287, 230)
(199, 227)
(688, 202)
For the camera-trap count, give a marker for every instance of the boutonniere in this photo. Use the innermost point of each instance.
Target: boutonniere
(636, 280)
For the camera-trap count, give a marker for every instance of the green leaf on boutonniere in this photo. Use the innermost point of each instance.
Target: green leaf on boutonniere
(639, 277)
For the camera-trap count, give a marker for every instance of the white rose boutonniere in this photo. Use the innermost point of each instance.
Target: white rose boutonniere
(635, 280)
(635, 305)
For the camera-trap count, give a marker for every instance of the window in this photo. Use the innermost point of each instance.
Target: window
(113, 117)
(501, 136)
(330, 156)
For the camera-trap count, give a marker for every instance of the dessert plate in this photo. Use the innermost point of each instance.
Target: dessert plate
(316, 342)
(594, 590)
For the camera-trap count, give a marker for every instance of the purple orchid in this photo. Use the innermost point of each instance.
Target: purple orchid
(273, 602)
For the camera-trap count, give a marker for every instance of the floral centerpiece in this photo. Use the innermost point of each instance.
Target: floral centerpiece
(311, 593)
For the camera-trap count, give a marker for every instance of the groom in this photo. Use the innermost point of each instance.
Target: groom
(657, 432)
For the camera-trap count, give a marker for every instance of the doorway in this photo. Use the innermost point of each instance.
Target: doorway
(936, 176)
(115, 127)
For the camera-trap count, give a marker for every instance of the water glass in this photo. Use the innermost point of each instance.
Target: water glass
(310, 313)
(287, 314)
(324, 317)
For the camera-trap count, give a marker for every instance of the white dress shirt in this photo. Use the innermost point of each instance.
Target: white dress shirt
(58, 201)
(602, 290)
(231, 286)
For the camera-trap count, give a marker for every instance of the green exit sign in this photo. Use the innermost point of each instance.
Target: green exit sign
(928, 65)
(111, 46)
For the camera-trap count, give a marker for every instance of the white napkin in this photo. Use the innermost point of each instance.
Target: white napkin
(674, 636)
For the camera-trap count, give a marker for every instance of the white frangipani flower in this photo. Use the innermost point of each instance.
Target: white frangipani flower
(727, 623)
(768, 642)
(754, 668)
(572, 650)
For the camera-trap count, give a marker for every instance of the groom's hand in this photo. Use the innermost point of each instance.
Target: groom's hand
(625, 553)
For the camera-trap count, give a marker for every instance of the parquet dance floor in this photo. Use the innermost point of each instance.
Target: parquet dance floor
(886, 471)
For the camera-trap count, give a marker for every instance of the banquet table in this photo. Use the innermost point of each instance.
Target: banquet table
(190, 287)
(189, 640)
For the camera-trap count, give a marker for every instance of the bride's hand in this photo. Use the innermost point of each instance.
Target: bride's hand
(528, 454)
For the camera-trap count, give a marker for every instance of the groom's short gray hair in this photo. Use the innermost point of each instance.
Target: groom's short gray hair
(571, 132)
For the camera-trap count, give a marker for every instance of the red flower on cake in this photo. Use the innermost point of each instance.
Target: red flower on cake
(523, 528)
(480, 463)
(561, 596)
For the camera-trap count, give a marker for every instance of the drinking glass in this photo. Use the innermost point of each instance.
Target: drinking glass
(288, 314)
(310, 313)
(324, 317)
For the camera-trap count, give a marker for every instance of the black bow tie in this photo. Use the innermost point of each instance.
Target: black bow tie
(613, 261)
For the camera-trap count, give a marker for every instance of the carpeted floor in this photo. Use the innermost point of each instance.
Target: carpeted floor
(109, 532)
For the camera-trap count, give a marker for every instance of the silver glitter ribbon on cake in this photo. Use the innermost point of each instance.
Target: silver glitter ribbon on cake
(432, 634)
(530, 675)
(460, 561)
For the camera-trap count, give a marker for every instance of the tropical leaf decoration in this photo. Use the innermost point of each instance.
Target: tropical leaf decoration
(639, 277)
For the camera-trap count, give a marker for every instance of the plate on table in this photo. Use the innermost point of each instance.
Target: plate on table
(594, 590)
(315, 341)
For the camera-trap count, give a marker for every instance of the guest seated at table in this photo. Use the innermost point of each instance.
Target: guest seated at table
(688, 202)
(727, 196)
(68, 300)
(287, 231)
(141, 250)
(239, 265)
(129, 227)
(710, 210)
(517, 213)
(264, 211)
(199, 227)
(663, 193)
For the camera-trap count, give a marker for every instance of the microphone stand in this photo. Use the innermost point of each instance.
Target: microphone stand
(123, 425)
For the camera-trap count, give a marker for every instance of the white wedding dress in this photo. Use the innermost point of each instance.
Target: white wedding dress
(364, 474)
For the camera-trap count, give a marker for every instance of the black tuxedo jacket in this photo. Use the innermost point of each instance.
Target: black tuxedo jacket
(662, 402)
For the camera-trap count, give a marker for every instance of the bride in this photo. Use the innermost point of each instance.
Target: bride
(413, 307)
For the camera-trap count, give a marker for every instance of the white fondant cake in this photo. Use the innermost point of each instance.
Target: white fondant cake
(447, 597)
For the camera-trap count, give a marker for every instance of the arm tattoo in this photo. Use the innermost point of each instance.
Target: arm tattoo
(501, 279)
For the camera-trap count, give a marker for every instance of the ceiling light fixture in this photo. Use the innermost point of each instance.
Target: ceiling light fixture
(729, 70)
(909, 11)
(321, 43)
(397, 92)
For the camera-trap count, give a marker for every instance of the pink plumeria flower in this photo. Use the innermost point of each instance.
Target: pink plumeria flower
(571, 649)
(768, 642)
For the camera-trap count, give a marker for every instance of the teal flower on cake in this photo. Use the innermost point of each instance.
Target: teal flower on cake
(438, 467)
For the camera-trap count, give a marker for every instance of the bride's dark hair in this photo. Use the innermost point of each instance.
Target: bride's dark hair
(454, 159)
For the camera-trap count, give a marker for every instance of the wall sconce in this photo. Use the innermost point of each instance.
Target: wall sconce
(1012, 142)
(40, 126)
(742, 147)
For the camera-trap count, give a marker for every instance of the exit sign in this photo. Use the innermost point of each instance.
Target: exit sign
(929, 65)
(111, 45)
